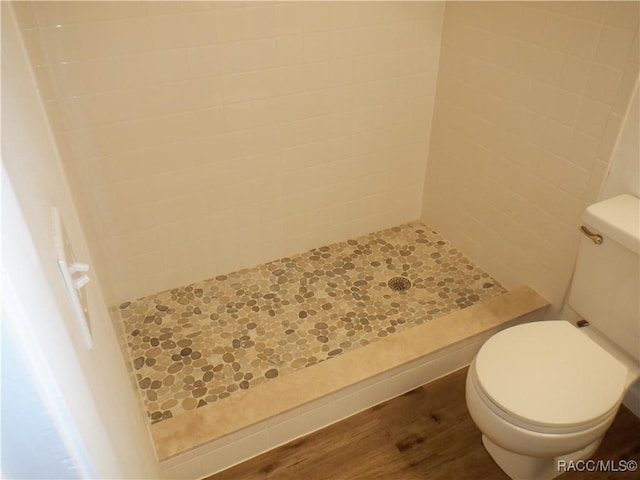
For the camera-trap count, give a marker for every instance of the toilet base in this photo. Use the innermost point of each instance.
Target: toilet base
(524, 467)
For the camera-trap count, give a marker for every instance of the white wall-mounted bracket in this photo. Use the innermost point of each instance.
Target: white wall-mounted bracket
(74, 275)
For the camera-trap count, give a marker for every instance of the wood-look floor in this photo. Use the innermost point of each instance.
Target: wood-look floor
(424, 434)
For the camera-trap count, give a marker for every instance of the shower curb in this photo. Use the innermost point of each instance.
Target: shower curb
(215, 437)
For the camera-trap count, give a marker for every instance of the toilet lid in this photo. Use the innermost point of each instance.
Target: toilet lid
(548, 373)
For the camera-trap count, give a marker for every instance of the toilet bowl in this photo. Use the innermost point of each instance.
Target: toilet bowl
(541, 392)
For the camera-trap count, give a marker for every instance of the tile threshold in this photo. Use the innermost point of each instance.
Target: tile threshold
(199, 427)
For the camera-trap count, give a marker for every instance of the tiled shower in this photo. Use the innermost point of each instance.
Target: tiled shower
(197, 345)
(205, 137)
(202, 138)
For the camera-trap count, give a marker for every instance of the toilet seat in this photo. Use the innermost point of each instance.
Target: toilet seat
(549, 377)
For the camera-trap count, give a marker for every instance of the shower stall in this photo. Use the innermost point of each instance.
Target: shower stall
(296, 210)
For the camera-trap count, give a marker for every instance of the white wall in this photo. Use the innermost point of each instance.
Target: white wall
(94, 384)
(32, 445)
(212, 136)
(624, 174)
(529, 103)
(624, 177)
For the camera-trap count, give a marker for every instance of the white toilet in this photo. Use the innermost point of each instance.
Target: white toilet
(543, 394)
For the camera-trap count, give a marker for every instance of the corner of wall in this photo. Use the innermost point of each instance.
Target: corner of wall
(523, 128)
(33, 168)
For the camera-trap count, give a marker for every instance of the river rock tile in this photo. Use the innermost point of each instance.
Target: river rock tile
(198, 344)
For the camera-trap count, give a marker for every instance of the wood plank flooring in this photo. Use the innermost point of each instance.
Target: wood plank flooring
(425, 434)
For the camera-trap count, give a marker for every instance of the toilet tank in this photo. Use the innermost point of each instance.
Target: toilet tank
(605, 289)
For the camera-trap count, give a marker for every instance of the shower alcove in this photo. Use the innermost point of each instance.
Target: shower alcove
(235, 365)
(202, 138)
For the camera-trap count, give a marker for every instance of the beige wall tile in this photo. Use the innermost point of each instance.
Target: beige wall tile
(261, 20)
(289, 18)
(231, 25)
(574, 74)
(614, 46)
(318, 116)
(511, 195)
(32, 41)
(133, 34)
(592, 117)
(583, 37)
(623, 14)
(603, 83)
(45, 82)
(241, 116)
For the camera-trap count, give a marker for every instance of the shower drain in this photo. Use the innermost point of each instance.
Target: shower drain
(399, 284)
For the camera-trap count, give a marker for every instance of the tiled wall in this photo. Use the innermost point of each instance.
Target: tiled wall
(530, 100)
(624, 174)
(93, 392)
(209, 136)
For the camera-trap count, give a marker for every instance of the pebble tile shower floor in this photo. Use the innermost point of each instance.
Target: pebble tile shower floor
(198, 344)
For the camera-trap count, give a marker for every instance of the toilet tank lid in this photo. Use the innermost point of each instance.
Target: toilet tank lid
(617, 219)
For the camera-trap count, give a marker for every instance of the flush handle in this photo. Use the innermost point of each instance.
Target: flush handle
(595, 237)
